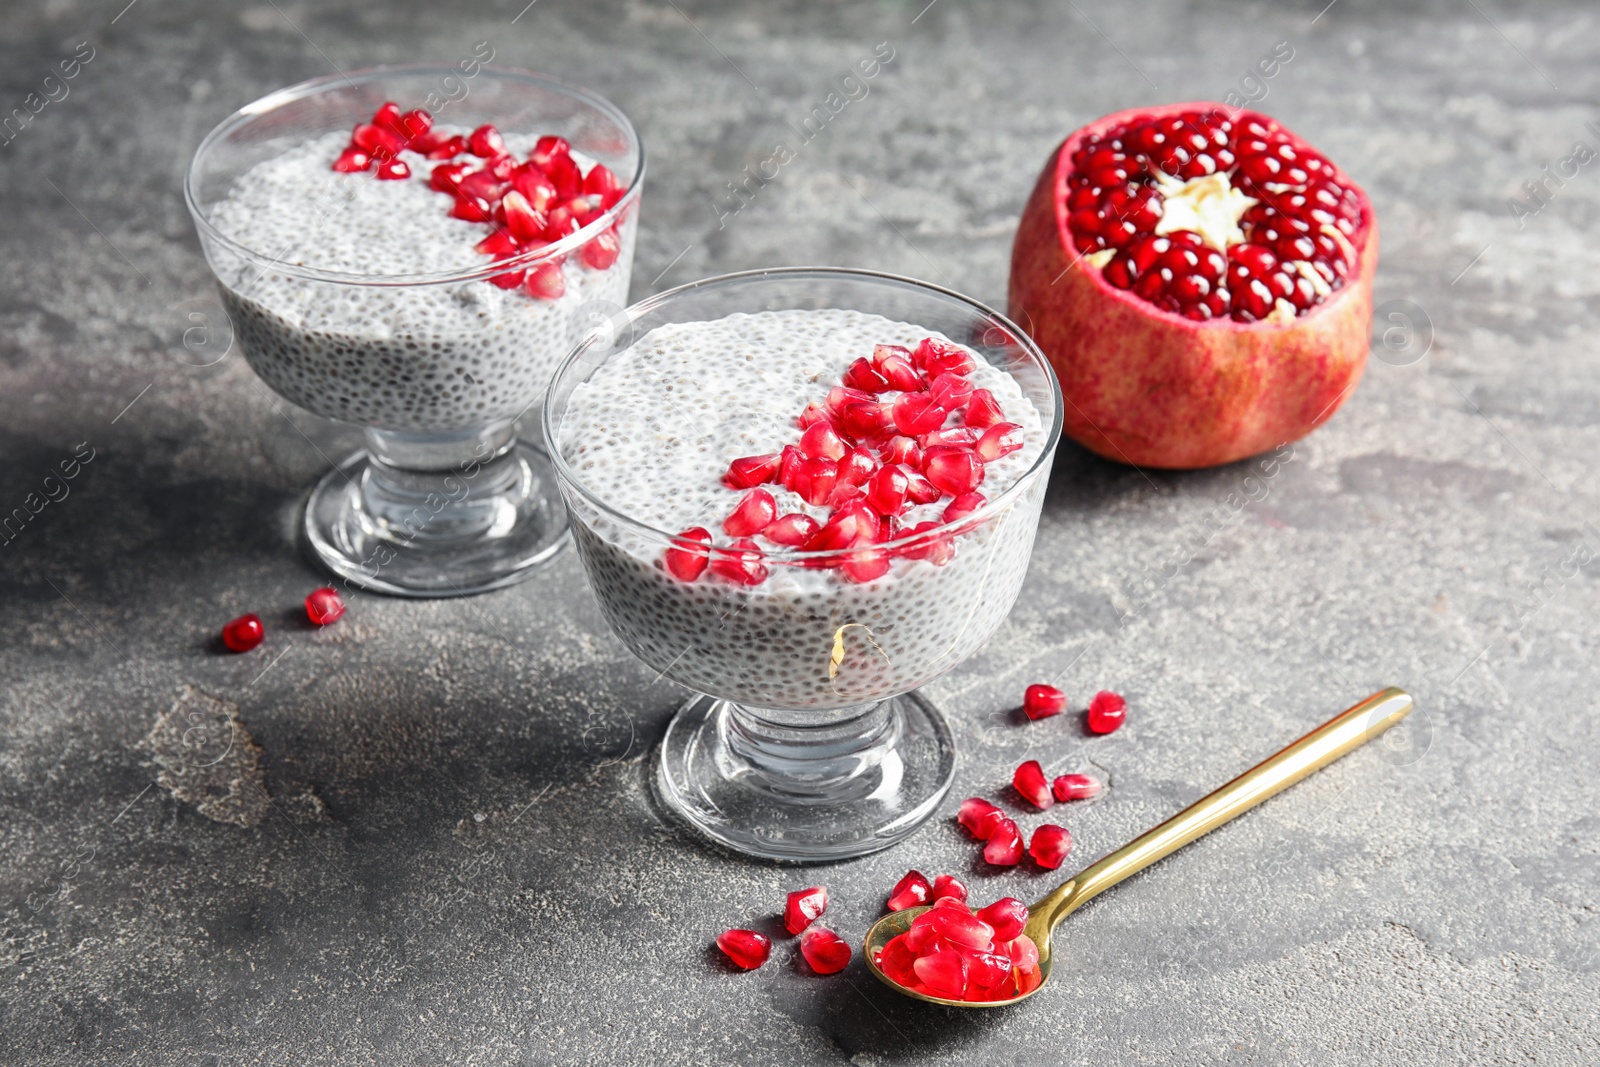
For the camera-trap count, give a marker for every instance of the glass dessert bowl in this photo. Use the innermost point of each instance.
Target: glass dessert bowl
(804, 494)
(421, 277)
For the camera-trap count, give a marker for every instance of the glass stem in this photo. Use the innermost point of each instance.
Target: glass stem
(793, 755)
(441, 487)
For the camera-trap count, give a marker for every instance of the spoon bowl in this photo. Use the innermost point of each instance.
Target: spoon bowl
(1348, 730)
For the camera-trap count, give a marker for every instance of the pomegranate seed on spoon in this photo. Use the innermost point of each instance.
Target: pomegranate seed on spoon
(1007, 916)
(1004, 848)
(911, 891)
(1050, 845)
(1034, 787)
(1107, 710)
(690, 553)
(746, 948)
(755, 512)
(979, 817)
(323, 606)
(546, 281)
(243, 633)
(792, 530)
(1043, 701)
(824, 950)
(943, 973)
(802, 906)
(1075, 787)
(949, 887)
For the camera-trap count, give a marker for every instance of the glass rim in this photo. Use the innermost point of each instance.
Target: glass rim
(791, 556)
(311, 87)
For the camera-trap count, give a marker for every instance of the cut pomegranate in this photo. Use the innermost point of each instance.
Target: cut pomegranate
(746, 948)
(352, 160)
(690, 553)
(949, 887)
(964, 505)
(547, 281)
(983, 410)
(1107, 710)
(1001, 439)
(243, 633)
(755, 512)
(486, 142)
(1202, 282)
(793, 530)
(821, 442)
(751, 471)
(740, 563)
(602, 249)
(979, 817)
(917, 413)
(1032, 785)
(393, 170)
(1075, 787)
(911, 891)
(1050, 845)
(1007, 916)
(323, 605)
(1004, 848)
(1043, 701)
(824, 950)
(953, 470)
(802, 906)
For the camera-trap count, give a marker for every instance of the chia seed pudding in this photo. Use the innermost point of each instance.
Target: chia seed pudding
(650, 434)
(419, 358)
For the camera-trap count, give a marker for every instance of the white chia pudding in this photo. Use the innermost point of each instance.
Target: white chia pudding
(411, 358)
(650, 435)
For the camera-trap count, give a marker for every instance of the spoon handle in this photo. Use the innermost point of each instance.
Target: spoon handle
(1317, 749)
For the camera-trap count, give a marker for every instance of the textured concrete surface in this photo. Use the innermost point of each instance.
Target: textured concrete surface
(425, 836)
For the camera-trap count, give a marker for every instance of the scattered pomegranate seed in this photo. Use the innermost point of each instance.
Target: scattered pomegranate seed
(983, 410)
(547, 281)
(1007, 916)
(1004, 848)
(1043, 701)
(953, 470)
(750, 471)
(824, 950)
(1031, 783)
(740, 563)
(602, 250)
(1050, 845)
(755, 511)
(911, 891)
(243, 633)
(486, 142)
(802, 906)
(690, 554)
(324, 606)
(393, 170)
(964, 505)
(746, 948)
(792, 530)
(1075, 787)
(916, 414)
(949, 887)
(1107, 710)
(1001, 439)
(352, 160)
(979, 817)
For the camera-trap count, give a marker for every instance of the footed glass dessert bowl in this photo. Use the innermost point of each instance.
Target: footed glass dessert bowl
(419, 273)
(804, 494)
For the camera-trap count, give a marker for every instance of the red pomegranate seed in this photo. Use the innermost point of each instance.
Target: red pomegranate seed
(1008, 916)
(1107, 710)
(1075, 787)
(472, 209)
(449, 148)
(377, 142)
(323, 606)
(812, 415)
(983, 410)
(895, 365)
(547, 281)
(1001, 439)
(755, 512)
(1031, 783)
(934, 358)
(688, 557)
(950, 390)
(1050, 845)
(534, 184)
(979, 817)
(792, 530)
(1023, 952)
(845, 529)
(602, 250)
(498, 244)
(746, 948)
(944, 974)
(821, 442)
(902, 449)
(955, 925)
(486, 142)
(1043, 701)
(525, 224)
(480, 183)
(513, 279)
(824, 950)
(388, 117)
(243, 633)
(446, 177)
(352, 160)
(930, 545)
(916, 414)
(1005, 845)
(865, 420)
(600, 180)
(841, 396)
(814, 480)
(864, 376)
(857, 466)
(740, 563)
(393, 170)
(953, 470)
(919, 490)
(955, 436)
(866, 565)
(912, 891)
(886, 492)
(802, 906)
(547, 148)
(562, 224)
(949, 887)
(788, 464)
(897, 961)
(415, 123)
(989, 976)
(751, 471)
(964, 505)
(564, 173)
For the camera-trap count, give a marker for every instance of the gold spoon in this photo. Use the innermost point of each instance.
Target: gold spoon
(1315, 750)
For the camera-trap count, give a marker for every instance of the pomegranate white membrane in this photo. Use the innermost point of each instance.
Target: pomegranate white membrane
(650, 437)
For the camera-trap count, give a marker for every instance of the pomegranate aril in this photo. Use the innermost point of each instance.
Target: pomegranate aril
(746, 948)
(416, 123)
(959, 436)
(949, 887)
(513, 279)
(821, 442)
(916, 414)
(857, 466)
(988, 974)
(802, 906)
(911, 891)
(755, 511)
(472, 209)
(953, 470)
(814, 480)
(1107, 710)
(565, 174)
(522, 220)
(841, 396)
(894, 363)
(562, 224)
(887, 489)
(1004, 848)
(934, 358)
(498, 244)
(958, 926)
(1031, 784)
(1007, 916)
(902, 449)
(393, 170)
(1021, 949)
(944, 974)
(601, 180)
(740, 563)
(1042, 701)
(811, 415)
(864, 376)
(963, 505)
(979, 817)
(486, 142)
(352, 160)
(824, 950)
(243, 633)
(950, 390)
(534, 184)
(792, 530)
(388, 117)
(549, 147)
(323, 605)
(602, 250)
(751, 471)
(983, 410)
(1050, 845)
(866, 565)
(919, 490)
(1075, 787)
(897, 961)
(929, 544)
(377, 142)
(1000, 440)
(547, 281)
(446, 177)
(690, 554)
(866, 420)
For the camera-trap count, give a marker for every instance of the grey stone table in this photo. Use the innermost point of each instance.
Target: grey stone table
(427, 836)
